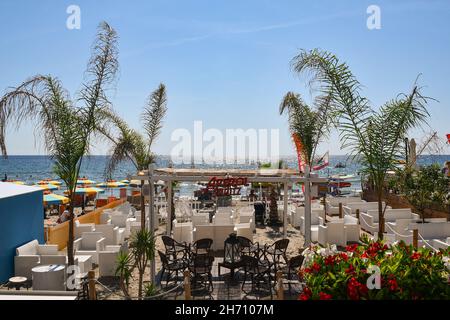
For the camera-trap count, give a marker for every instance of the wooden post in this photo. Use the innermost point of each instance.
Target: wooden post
(340, 210)
(280, 289)
(187, 286)
(92, 292)
(415, 238)
(357, 214)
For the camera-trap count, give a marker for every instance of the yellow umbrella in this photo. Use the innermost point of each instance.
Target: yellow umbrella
(53, 199)
(85, 181)
(49, 181)
(112, 184)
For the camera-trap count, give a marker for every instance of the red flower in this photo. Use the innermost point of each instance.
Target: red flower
(415, 256)
(392, 284)
(303, 297)
(351, 248)
(306, 294)
(308, 270)
(343, 256)
(350, 269)
(329, 260)
(356, 289)
(324, 296)
(316, 267)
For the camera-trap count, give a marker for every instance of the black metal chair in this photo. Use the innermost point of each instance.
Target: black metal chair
(174, 248)
(200, 268)
(248, 247)
(276, 251)
(292, 267)
(201, 247)
(259, 272)
(171, 266)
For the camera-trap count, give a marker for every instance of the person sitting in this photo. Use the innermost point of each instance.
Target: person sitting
(65, 216)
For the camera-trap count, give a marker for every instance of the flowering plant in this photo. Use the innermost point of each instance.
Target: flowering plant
(375, 271)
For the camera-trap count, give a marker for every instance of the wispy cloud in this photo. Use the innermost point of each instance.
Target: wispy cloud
(240, 30)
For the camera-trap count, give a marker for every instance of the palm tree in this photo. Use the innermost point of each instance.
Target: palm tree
(132, 145)
(308, 124)
(374, 138)
(142, 246)
(66, 129)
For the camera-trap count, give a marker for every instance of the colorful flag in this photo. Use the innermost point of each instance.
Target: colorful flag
(299, 147)
(448, 137)
(322, 162)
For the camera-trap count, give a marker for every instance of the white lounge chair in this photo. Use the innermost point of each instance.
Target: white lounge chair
(90, 243)
(244, 230)
(28, 256)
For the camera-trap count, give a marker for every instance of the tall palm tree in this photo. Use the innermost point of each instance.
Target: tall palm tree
(67, 129)
(309, 124)
(131, 145)
(374, 138)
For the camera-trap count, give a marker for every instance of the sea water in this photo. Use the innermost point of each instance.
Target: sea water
(31, 169)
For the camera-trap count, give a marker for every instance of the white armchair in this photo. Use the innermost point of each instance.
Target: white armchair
(350, 208)
(332, 233)
(28, 256)
(113, 235)
(245, 217)
(200, 218)
(352, 229)
(105, 217)
(79, 228)
(183, 231)
(107, 260)
(332, 203)
(221, 233)
(315, 214)
(203, 232)
(244, 230)
(219, 218)
(90, 243)
(119, 220)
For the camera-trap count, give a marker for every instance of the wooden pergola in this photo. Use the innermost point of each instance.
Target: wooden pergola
(287, 177)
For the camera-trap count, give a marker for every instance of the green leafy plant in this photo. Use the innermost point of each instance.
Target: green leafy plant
(374, 138)
(425, 187)
(142, 249)
(66, 128)
(405, 273)
(150, 290)
(124, 270)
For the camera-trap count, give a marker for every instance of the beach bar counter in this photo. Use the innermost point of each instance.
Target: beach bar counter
(21, 220)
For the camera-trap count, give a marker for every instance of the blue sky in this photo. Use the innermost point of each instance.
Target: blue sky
(227, 62)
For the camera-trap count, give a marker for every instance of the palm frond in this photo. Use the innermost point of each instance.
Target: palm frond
(153, 114)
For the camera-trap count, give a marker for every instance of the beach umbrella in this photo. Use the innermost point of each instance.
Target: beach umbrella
(54, 199)
(49, 181)
(89, 190)
(47, 186)
(85, 181)
(112, 184)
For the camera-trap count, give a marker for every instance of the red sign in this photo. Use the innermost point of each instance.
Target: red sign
(225, 187)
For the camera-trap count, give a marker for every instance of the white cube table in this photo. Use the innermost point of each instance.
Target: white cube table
(49, 277)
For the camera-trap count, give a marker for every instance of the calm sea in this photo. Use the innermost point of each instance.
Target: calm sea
(31, 169)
